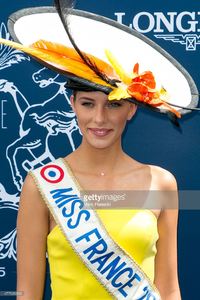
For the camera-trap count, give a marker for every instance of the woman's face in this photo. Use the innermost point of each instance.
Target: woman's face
(101, 121)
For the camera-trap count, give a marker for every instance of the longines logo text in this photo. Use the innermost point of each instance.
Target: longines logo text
(182, 27)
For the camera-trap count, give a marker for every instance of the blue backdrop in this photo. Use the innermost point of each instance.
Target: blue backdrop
(25, 143)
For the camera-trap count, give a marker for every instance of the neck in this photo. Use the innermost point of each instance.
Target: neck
(98, 161)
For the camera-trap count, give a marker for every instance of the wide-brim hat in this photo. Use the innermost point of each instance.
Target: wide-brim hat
(116, 59)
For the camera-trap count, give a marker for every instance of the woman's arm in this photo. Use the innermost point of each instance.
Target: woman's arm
(32, 230)
(166, 277)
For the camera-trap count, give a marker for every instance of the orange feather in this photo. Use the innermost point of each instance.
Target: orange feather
(64, 59)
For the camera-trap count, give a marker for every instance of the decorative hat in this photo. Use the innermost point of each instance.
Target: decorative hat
(97, 53)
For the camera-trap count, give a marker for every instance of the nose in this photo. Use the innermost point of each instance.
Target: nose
(100, 115)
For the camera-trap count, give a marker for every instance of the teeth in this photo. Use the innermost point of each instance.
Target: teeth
(100, 131)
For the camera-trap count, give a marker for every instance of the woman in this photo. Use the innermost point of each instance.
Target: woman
(104, 100)
(101, 123)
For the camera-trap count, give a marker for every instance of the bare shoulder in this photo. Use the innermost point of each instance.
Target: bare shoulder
(30, 189)
(162, 179)
(29, 184)
(30, 198)
(164, 187)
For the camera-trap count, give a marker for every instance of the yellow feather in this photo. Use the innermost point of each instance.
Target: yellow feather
(124, 77)
(118, 94)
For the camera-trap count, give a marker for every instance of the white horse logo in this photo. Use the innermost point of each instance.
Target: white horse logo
(38, 123)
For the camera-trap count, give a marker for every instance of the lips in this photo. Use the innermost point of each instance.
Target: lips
(101, 132)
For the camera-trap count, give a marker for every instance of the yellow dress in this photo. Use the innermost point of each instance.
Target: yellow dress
(133, 230)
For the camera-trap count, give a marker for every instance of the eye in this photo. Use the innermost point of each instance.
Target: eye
(114, 104)
(87, 103)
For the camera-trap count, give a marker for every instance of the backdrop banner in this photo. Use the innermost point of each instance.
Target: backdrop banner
(37, 125)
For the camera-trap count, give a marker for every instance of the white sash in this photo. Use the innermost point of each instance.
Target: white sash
(114, 269)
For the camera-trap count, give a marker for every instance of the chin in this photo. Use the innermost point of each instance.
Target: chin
(101, 144)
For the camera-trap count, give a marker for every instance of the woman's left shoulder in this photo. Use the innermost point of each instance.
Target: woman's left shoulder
(162, 179)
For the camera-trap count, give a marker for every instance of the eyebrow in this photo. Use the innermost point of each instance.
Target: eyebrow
(86, 98)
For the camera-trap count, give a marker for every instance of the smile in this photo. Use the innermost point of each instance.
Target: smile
(101, 132)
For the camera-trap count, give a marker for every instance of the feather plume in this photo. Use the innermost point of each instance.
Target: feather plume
(73, 55)
(64, 8)
(125, 78)
(47, 54)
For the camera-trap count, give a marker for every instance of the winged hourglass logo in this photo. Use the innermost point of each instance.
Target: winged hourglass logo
(189, 40)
